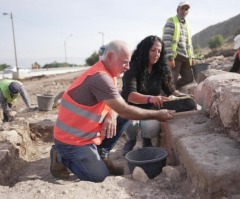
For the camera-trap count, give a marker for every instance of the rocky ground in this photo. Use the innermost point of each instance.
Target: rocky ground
(31, 177)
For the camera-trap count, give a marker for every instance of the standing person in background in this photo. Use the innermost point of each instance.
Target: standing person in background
(100, 52)
(9, 91)
(146, 85)
(87, 116)
(178, 43)
(236, 64)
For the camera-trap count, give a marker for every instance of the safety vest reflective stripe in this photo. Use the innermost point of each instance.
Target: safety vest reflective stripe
(76, 132)
(82, 112)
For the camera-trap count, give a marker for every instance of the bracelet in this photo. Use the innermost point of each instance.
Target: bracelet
(148, 99)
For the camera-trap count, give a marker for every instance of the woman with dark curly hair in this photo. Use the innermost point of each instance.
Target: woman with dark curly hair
(147, 84)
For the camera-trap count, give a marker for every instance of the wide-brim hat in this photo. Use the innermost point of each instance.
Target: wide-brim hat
(237, 42)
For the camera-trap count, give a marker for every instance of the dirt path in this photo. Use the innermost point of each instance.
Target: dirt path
(33, 180)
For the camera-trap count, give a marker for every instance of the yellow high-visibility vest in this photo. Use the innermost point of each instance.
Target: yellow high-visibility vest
(176, 37)
(4, 87)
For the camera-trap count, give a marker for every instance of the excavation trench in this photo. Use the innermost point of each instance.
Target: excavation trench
(25, 146)
(26, 155)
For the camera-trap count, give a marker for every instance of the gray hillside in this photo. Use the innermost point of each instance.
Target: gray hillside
(228, 29)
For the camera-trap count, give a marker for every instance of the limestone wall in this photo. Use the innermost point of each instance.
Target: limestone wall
(219, 96)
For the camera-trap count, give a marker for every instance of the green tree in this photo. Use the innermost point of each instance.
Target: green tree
(92, 59)
(216, 41)
(54, 65)
(59, 65)
(3, 66)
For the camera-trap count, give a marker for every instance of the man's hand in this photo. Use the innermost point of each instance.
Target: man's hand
(109, 124)
(164, 115)
(194, 62)
(171, 63)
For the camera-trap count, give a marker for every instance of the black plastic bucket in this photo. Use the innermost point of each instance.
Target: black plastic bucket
(198, 68)
(150, 159)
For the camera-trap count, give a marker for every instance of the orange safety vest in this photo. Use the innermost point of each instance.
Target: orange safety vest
(78, 124)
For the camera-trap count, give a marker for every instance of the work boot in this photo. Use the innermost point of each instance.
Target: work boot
(128, 146)
(113, 170)
(57, 169)
(146, 142)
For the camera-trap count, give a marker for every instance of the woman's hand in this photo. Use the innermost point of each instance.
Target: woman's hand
(158, 100)
(109, 124)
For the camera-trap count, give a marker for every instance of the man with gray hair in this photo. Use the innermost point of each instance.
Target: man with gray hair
(87, 117)
(178, 44)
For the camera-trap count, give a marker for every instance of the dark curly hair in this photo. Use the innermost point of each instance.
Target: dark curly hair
(141, 54)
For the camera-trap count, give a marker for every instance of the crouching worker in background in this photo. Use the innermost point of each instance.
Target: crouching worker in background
(86, 128)
(9, 91)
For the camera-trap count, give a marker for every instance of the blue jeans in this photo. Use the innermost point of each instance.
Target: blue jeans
(86, 161)
(83, 161)
(108, 143)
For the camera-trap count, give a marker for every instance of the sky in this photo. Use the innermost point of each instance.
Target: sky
(57, 30)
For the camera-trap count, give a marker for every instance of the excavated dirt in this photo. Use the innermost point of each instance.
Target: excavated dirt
(28, 160)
